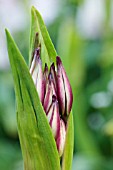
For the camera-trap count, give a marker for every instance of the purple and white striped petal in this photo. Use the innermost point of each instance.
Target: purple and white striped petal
(60, 90)
(45, 75)
(61, 138)
(55, 94)
(40, 82)
(53, 117)
(53, 72)
(37, 73)
(50, 91)
(64, 88)
(35, 65)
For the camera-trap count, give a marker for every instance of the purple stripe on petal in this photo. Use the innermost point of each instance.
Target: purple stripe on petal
(50, 112)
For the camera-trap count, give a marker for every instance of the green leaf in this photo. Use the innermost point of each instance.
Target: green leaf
(68, 150)
(48, 52)
(36, 139)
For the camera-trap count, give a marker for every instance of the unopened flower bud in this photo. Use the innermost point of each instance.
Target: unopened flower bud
(53, 116)
(61, 138)
(63, 89)
(55, 94)
(37, 74)
(50, 91)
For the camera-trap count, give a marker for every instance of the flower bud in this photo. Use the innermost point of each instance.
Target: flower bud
(37, 73)
(55, 94)
(61, 138)
(63, 89)
(50, 91)
(53, 117)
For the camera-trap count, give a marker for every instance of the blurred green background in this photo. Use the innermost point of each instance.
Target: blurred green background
(82, 32)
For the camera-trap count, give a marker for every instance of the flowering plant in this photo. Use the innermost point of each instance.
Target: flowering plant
(44, 100)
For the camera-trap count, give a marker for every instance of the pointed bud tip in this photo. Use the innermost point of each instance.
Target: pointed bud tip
(46, 65)
(61, 138)
(36, 34)
(52, 66)
(58, 60)
(50, 77)
(37, 52)
(45, 68)
(54, 98)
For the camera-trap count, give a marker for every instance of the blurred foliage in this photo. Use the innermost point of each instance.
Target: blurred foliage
(89, 65)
